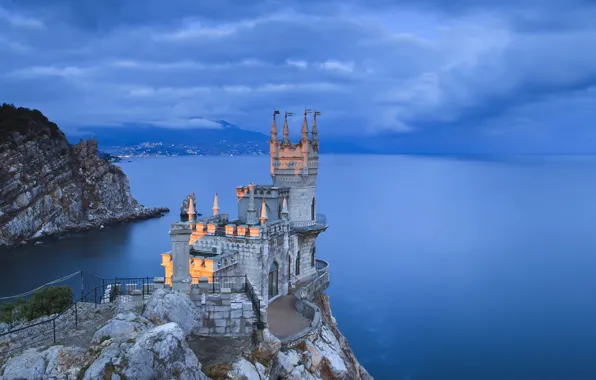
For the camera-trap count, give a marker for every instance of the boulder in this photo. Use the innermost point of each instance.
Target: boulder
(168, 306)
(56, 362)
(268, 345)
(242, 369)
(283, 363)
(160, 352)
(121, 328)
(332, 362)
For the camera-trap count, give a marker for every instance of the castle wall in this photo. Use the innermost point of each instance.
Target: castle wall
(299, 203)
(223, 316)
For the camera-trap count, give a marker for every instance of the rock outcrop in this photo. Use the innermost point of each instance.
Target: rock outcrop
(148, 341)
(49, 187)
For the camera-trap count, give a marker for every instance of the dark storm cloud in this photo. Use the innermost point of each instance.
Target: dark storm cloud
(472, 66)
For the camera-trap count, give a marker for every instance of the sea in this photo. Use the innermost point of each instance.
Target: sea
(442, 267)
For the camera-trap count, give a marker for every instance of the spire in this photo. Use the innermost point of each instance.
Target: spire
(274, 127)
(215, 205)
(191, 210)
(315, 131)
(264, 212)
(286, 130)
(284, 209)
(305, 125)
(251, 212)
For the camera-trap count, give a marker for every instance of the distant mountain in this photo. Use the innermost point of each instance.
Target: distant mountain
(130, 135)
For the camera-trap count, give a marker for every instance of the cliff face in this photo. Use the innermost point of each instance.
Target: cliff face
(150, 339)
(48, 187)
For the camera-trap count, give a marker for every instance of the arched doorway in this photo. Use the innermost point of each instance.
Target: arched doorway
(298, 264)
(273, 276)
(312, 209)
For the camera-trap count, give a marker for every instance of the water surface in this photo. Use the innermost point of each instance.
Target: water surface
(442, 268)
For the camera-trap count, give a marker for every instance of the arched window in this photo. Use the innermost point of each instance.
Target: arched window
(273, 275)
(312, 257)
(289, 268)
(312, 209)
(298, 264)
(279, 211)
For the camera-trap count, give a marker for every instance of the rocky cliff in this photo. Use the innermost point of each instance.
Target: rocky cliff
(155, 339)
(49, 187)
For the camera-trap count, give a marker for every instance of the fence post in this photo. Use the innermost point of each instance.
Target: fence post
(76, 315)
(54, 328)
(95, 296)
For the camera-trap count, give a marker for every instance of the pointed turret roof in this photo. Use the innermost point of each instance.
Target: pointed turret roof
(215, 205)
(191, 206)
(274, 127)
(284, 207)
(264, 212)
(305, 125)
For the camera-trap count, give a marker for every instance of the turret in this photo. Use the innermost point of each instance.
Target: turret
(251, 212)
(315, 133)
(274, 128)
(191, 210)
(286, 130)
(284, 209)
(264, 216)
(215, 205)
(304, 139)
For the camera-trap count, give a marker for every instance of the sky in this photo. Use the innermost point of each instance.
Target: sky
(487, 72)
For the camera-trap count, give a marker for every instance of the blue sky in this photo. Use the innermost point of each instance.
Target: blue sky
(500, 73)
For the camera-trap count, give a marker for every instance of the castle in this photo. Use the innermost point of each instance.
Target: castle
(272, 243)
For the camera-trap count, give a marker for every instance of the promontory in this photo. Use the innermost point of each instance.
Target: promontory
(50, 187)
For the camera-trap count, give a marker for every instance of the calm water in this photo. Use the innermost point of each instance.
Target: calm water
(441, 268)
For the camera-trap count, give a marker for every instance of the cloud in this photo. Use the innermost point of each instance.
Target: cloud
(18, 20)
(410, 67)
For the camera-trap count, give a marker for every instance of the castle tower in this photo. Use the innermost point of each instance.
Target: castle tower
(215, 205)
(296, 166)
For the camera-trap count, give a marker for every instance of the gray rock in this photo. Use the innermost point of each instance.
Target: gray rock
(268, 345)
(121, 328)
(242, 369)
(29, 365)
(283, 362)
(169, 306)
(50, 187)
(158, 353)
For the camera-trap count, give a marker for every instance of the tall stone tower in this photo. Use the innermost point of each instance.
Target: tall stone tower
(296, 166)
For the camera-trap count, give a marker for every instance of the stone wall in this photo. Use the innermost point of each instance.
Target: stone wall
(226, 314)
(300, 201)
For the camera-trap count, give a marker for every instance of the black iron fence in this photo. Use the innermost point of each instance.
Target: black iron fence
(213, 284)
(256, 303)
(53, 328)
(50, 329)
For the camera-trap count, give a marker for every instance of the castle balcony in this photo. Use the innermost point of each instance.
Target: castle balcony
(309, 226)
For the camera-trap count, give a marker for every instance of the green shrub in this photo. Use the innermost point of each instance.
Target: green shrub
(49, 300)
(45, 301)
(13, 311)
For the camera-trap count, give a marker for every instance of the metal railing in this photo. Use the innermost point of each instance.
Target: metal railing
(53, 327)
(319, 283)
(256, 303)
(236, 284)
(319, 222)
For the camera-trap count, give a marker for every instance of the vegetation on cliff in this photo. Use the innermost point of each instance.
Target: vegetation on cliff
(31, 124)
(45, 301)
